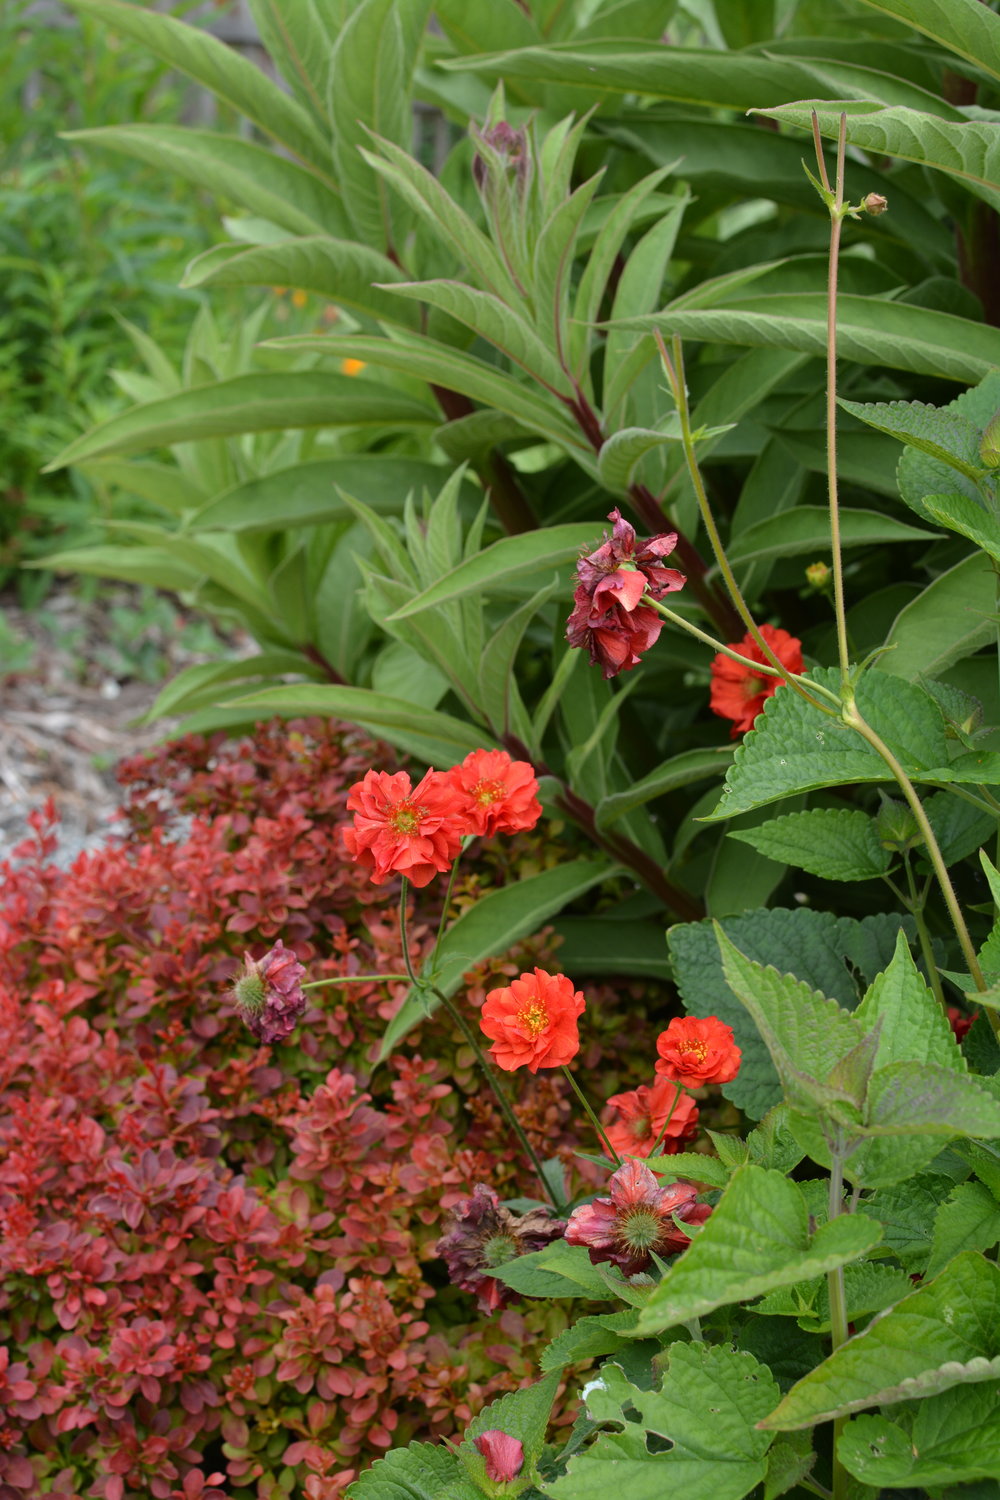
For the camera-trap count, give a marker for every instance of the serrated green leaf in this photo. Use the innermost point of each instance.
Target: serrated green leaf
(868, 1288)
(968, 1220)
(251, 403)
(944, 434)
(772, 1144)
(420, 1471)
(788, 1461)
(691, 1166)
(757, 1240)
(910, 1098)
(945, 1334)
(946, 1439)
(960, 513)
(238, 171)
(833, 843)
(522, 1414)
(969, 150)
(558, 1270)
(807, 529)
(589, 1338)
(707, 1407)
(496, 921)
(949, 620)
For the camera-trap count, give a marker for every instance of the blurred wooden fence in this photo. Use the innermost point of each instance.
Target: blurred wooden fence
(234, 24)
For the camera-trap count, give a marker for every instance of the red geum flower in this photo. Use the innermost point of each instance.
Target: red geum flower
(697, 1051)
(268, 994)
(608, 615)
(739, 693)
(401, 829)
(484, 1234)
(636, 1221)
(533, 1022)
(504, 1455)
(960, 1025)
(642, 1114)
(497, 794)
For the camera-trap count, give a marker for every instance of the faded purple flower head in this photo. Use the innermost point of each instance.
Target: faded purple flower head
(510, 145)
(484, 1234)
(636, 1220)
(608, 615)
(268, 994)
(504, 1455)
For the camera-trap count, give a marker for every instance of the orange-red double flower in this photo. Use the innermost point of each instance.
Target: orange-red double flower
(400, 829)
(642, 1113)
(696, 1051)
(533, 1022)
(738, 692)
(495, 794)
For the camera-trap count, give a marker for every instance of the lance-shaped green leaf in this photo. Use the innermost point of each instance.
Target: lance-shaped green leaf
(496, 921)
(945, 1334)
(267, 184)
(963, 26)
(626, 448)
(498, 690)
(950, 619)
(251, 403)
(150, 565)
(433, 737)
(833, 843)
(198, 686)
(222, 70)
(679, 770)
(300, 39)
(707, 1407)
(757, 1240)
(869, 331)
(807, 1035)
(510, 558)
(969, 151)
(948, 1439)
(495, 322)
(795, 747)
(162, 484)
(807, 529)
(967, 517)
(311, 494)
(945, 435)
(342, 270)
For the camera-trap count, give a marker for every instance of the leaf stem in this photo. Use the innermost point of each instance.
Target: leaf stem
(916, 905)
(592, 1117)
(471, 1040)
(838, 1314)
(315, 984)
(837, 209)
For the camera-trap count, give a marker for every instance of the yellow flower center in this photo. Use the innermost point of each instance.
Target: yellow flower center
(405, 818)
(488, 792)
(642, 1127)
(533, 1017)
(699, 1049)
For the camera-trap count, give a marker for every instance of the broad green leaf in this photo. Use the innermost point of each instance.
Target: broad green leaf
(968, 1220)
(967, 517)
(963, 26)
(959, 827)
(370, 74)
(795, 747)
(680, 770)
(833, 843)
(945, 1439)
(496, 921)
(431, 736)
(497, 679)
(807, 529)
(602, 945)
(943, 434)
(692, 1166)
(707, 1407)
(162, 484)
(868, 1288)
(950, 619)
(222, 70)
(789, 1459)
(557, 1270)
(420, 1471)
(969, 151)
(911, 1098)
(198, 685)
(237, 170)
(300, 39)
(311, 494)
(870, 331)
(945, 1334)
(150, 565)
(503, 561)
(493, 321)
(590, 1338)
(906, 1211)
(757, 1240)
(441, 365)
(343, 271)
(251, 403)
(523, 1414)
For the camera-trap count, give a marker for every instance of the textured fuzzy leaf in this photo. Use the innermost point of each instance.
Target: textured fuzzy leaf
(251, 403)
(945, 1334)
(312, 493)
(968, 1220)
(510, 558)
(942, 1440)
(969, 151)
(708, 1406)
(868, 1288)
(558, 1270)
(590, 1338)
(869, 330)
(497, 921)
(524, 1414)
(219, 68)
(963, 26)
(420, 1471)
(757, 1239)
(910, 1098)
(807, 529)
(679, 770)
(948, 620)
(967, 517)
(833, 843)
(944, 434)
(341, 270)
(236, 170)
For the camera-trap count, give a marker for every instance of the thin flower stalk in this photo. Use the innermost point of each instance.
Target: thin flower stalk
(666, 1124)
(602, 1137)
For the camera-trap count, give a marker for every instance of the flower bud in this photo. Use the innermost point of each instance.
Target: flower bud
(507, 149)
(875, 204)
(504, 1455)
(989, 446)
(818, 575)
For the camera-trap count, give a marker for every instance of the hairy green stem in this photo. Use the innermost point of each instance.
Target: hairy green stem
(578, 1091)
(315, 984)
(469, 1036)
(838, 1316)
(670, 1114)
(916, 904)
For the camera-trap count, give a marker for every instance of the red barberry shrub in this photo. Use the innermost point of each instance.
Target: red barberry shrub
(217, 1267)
